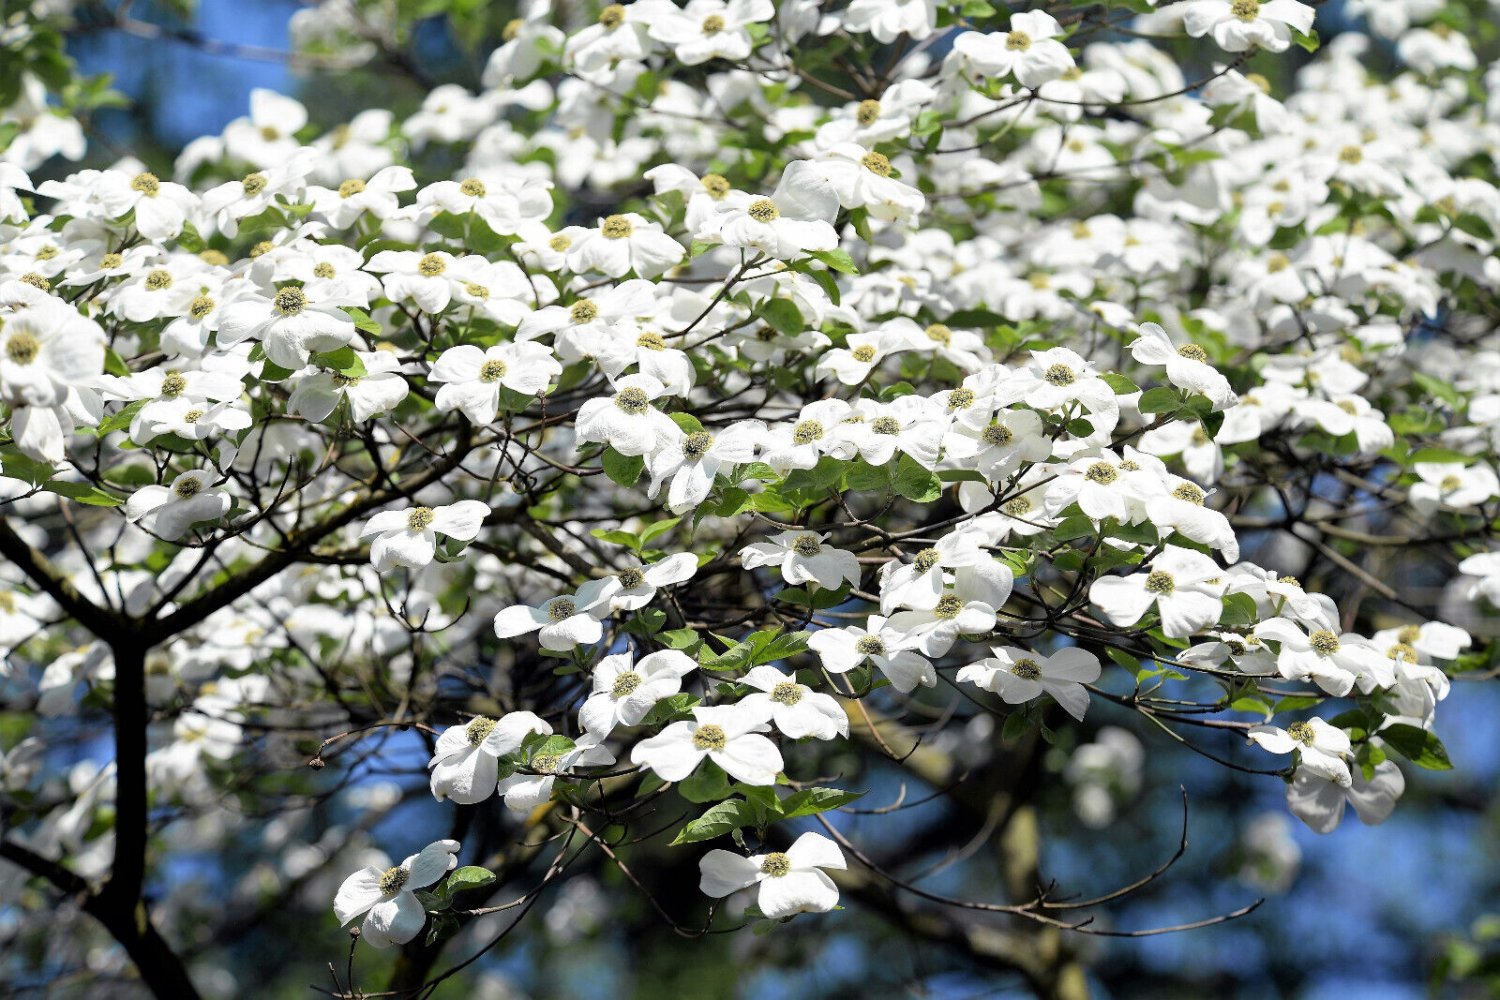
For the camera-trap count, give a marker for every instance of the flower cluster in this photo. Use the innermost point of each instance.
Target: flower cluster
(703, 425)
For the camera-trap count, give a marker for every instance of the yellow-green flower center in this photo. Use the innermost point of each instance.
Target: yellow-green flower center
(710, 737)
(616, 227)
(290, 301)
(763, 210)
(393, 879)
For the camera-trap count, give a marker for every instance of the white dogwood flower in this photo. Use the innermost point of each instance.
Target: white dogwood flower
(791, 882)
(728, 735)
(387, 898)
(409, 537)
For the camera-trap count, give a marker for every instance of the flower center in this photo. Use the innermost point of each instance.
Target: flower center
(1402, 652)
(22, 348)
(631, 578)
(867, 113)
(431, 266)
(697, 444)
(1409, 634)
(1018, 41)
(876, 163)
(939, 333)
(612, 16)
(625, 684)
(1193, 352)
(786, 693)
(418, 518)
(1245, 10)
(472, 186)
(948, 607)
(807, 545)
(584, 311)
(110, 261)
(35, 281)
(1302, 733)
(870, 645)
(863, 353)
(713, 24)
(188, 488)
(1189, 492)
(562, 609)
(651, 341)
(763, 210)
(1018, 506)
(616, 227)
(633, 401)
(807, 432)
(262, 248)
(253, 184)
(512, 29)
(885, 425)
(393, 879)
(710, 737)
(1159, 581)
(158, 280)
(478, 730)
(776, 865)
(560, 242)
(492, 371)
(351, 187)
(1324, 641)
(926, 559)
(147, 184)
(716, 185)
(290, 301)
(996, 435)
(1102, 473)
(1026, 669)
(477, 290)
(961, 399)
(192, 416)
(1059, 375)
(200, 307)
(173, 384)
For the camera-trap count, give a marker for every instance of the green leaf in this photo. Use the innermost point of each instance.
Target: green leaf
(616, 536)
(1120, 384)
(362, 321)
(1437, 387)
(781, 647)
(838, 260)
(811, 801)
(121, 419)
(716, 822)
(1077, 526)
(783, 316)
(708, 783)
(18, 466)
(734, 658)
(1308, 41)
(916, 483)
(1239, 609)
(1417, 745)
(343, 361)
(680, 638)
(469, 877)
(623, 469)
(1159, 400)
(686, 421)
(85, 493)
(658, 529)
